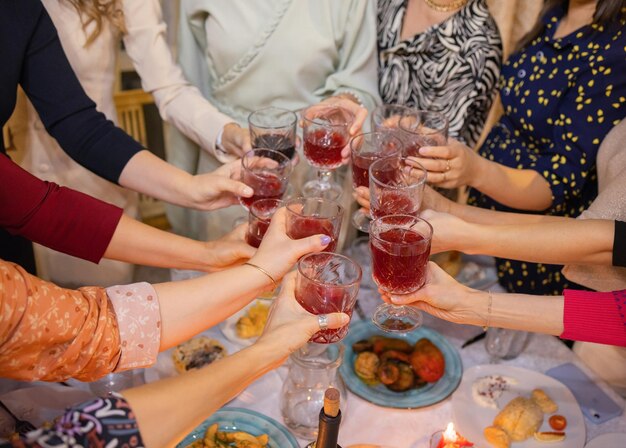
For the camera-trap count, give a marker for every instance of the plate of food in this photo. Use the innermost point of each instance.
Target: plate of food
(192, 354)
(411, 371)
(246, 325)
(503, 406)
(239, 427)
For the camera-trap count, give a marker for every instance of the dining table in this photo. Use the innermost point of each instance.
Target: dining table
(363, 423)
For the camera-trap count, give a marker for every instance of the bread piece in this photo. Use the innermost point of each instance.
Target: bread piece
(520, 418)
(196, 353)
(550, 436)
(497, 437)
(544, 401)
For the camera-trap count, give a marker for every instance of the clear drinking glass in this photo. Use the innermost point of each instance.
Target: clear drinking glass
(325, 134)
(400, 246)
(259, 218)
(274, 128)
(502, 343)
(386, 117)
(365, 149)
(423, 128)
(313, 216)
(396, 186)
(113, 382)
(267, 172)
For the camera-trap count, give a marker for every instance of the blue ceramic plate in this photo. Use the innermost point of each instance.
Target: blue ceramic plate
(240, 419)
(414, 398)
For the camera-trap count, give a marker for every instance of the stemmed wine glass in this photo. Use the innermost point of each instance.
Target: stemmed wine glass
(267, 172)
(423, 128)
(259, 218)
(274, 128)
(327, 283)
(365, 149)
(314, 216)
(396, 186)
(400, 246)
(386, 117)
(325, 131)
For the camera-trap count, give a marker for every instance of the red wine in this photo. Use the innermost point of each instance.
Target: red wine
(411, 149)
(323, 149)
(360, 172)
(265, 186)
(301, 227)
(323, 299)
(391, 202)
(281, 143)
(399, 260)
(256, 232)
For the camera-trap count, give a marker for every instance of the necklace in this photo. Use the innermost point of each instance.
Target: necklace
(439, 6)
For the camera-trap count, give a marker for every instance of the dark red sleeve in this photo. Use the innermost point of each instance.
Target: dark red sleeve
(57, 217)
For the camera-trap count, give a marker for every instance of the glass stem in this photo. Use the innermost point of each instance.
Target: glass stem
(323, 176)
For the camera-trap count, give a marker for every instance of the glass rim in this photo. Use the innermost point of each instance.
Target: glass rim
(301, 199)
(417, 115)
(334, 255)
(376, 156)
(395, 187)
(428, 238)
(292, 122)
(383, 107)
(280, 203)
(249, 154)
(330, 125)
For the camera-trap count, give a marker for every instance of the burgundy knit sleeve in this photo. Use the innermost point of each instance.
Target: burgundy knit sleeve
(595, 317)
(57, 217)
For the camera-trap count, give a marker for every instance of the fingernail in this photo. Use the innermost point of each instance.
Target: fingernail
(424, 150)
(395, 299)
(345, 320)
(326, 240)
(248, 191)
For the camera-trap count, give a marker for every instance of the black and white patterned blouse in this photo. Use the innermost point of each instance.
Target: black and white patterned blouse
(452, 67)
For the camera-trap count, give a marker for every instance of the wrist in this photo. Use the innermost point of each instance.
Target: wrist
(479, 173)
(472, 238)
(270, 355)
(480, 313)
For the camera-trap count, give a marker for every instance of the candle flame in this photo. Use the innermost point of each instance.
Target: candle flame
(450, 435)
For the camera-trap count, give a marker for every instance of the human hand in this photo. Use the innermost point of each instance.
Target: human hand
(219, 188)
(445, 298)
(449, 232)
(360, 115)
(236, 140)
(228, 251)
(289, 326)
(278, 253)
(450, 166)
(362, 197)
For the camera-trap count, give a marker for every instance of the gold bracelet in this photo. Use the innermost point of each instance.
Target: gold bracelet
(488, 312)
(265, 272)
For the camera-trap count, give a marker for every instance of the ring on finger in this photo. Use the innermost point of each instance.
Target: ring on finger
(322, 319)
(447, 164)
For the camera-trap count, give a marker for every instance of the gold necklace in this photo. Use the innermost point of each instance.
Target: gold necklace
(448, 7)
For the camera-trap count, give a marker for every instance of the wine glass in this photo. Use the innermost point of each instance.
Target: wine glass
(313, 216)
(396, 186)
(259, 218)
(267, 172)
(364, 150)
(386, 117)
(423, 128)
(400, 246)
(325, 131)
(274, 128)
(327, 283)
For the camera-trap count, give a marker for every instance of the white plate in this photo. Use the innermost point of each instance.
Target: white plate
(613, 440)
(229, 326)
(470, 418)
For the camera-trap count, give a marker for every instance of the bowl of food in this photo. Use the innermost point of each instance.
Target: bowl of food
(245, 326)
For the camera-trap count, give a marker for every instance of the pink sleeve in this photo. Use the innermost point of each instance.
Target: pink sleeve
(595, 317)
(139, 320)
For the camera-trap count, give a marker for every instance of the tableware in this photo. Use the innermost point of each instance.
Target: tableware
(365, 149)
(312, 370)
(423, 128)
(273, 128)
(240, 419)
(415, 398)
(325, 132)
(112, 382)
(477, 272)
(396, 187)
(312, 216)
(267, 172)
(327, 283)
(610, 440)
(259, 217)
(502, 343)
(471, 418)
(228, 327)
(386, 117)
(400, 246)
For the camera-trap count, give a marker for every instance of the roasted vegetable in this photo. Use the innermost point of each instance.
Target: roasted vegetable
(388, 372)
(427, 361)
(383, 344)
(364, 345)
(395, 356)
(365, 365)
(405, 379)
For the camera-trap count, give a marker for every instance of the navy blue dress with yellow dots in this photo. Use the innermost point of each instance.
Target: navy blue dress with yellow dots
(560, 97)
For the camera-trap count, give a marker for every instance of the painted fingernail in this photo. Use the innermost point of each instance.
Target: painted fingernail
(326, 240)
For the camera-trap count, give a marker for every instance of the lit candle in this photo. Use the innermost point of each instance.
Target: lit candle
(451, 439)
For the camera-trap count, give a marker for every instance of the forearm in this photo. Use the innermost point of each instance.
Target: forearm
(479, 215)
(195, 395)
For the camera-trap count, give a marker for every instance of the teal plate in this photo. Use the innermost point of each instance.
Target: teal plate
(240, 419)
(414, 398)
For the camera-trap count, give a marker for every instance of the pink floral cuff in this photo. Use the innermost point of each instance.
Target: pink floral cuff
(139, 320)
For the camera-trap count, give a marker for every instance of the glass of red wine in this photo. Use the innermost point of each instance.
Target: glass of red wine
(396, 186)
(259, 218)
(313, 216)
(325, 134)
(327, 283)
(267, 172)
(423, 128)
(386, 117)
(400, 246)
(365, 149)
(274, 128)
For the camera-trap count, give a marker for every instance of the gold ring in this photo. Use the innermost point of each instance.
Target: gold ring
(447, 164)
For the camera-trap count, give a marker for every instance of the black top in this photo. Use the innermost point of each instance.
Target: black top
(619, 244)
(33, 58)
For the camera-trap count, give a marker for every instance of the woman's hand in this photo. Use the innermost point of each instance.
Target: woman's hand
(445, 298)
(278, 253)
(348, 102)
(236, 140)
(450, 166)
(228, 251)
(362, 197)
(449, 232)
(218, 189)
(289, 326)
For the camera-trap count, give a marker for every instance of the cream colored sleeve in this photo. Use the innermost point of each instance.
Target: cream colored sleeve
(179, 102)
